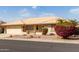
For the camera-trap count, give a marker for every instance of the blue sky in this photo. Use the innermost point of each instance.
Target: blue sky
(11, 13)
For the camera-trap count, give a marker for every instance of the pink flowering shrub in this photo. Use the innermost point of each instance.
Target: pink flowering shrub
(64, 28)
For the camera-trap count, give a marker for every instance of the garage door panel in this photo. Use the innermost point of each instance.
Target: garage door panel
(14, 31)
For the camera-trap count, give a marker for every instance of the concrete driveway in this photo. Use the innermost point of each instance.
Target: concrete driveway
(31, 46)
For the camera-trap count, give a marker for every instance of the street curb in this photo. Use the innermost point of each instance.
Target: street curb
(44, 40)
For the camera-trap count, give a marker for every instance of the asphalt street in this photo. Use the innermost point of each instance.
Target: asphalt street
(31, 46)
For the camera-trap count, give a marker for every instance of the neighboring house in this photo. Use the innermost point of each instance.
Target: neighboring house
(30, 26)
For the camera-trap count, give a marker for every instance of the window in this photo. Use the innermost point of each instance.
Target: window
(28, 27)
(39, 27)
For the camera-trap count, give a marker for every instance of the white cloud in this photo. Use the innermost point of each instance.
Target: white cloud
(24, 13)
(47, 14)
(74, 11)
(27, 13)
(3, 18)
(34, 7)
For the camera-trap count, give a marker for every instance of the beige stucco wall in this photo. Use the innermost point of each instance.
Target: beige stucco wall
(14, 30)
(17, 30)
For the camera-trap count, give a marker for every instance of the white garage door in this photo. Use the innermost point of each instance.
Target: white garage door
(14, 30)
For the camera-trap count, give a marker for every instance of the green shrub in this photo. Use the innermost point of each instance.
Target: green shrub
(44, 31)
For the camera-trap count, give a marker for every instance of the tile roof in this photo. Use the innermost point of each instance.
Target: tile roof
(41, 20)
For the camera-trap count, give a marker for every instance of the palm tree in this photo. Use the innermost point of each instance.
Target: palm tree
(73, 22)
(60, 21)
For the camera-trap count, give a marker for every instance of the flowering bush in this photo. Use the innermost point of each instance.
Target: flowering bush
(65, 28)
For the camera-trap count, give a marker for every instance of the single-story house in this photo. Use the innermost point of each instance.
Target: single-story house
(30, 25)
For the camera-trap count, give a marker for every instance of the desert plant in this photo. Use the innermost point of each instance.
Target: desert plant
(44, 30)
(65, 28)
